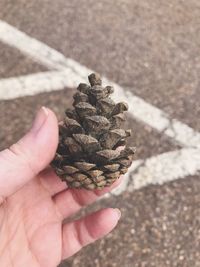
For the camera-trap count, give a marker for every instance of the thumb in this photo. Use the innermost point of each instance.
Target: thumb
(25, 159)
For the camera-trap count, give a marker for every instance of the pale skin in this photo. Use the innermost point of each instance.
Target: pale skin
(34, 202)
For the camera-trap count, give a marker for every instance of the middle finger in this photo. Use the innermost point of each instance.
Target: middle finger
(72, 200)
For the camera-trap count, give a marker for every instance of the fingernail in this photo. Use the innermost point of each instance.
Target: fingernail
(39, 120)
(118, 213)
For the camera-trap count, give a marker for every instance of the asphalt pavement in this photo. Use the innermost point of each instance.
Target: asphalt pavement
(150, 48)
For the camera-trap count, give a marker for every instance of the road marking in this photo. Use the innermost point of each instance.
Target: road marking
(38, 51)
(166, 167)
(33, 84)
(157, 119)
(161, 169)
(68, 73)
(140, 109)
(75, 72)
(13, 37)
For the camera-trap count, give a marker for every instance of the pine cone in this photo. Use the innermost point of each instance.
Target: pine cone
(87, 155)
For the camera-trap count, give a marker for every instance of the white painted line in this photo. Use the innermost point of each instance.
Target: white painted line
(183, 134)
(167, 167)
(52, 59)
(157, 119)
(161, 169)
(141, 110)
(38, 51)
(13, 37)
(37, 83)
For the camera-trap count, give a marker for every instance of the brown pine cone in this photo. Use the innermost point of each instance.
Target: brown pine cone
(87, 154)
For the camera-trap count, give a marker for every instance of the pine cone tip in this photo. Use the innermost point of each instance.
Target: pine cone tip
(95, 79)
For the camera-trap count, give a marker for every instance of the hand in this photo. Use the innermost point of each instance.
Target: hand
(34, 202)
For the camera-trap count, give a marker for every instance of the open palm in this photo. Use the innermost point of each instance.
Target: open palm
(34, 203)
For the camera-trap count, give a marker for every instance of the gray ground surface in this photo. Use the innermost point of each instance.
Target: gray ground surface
(13, 63)
(151, 48)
